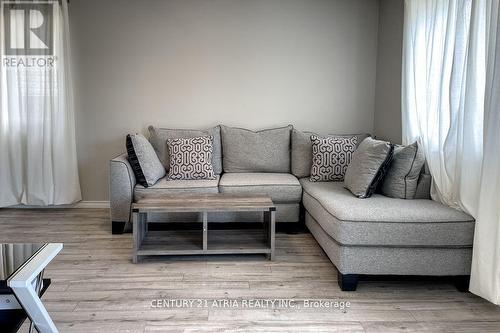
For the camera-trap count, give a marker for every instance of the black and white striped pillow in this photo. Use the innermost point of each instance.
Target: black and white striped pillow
(191, 158)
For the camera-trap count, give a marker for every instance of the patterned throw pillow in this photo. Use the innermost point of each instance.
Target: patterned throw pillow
(331, 156)
(191, 158)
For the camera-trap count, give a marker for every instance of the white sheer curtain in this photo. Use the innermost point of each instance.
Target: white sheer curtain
(38, 164)
(439, 103)
(485, 279)
(447, 53)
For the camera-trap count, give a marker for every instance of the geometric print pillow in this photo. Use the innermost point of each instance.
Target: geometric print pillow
(191, 158)
(331, 156)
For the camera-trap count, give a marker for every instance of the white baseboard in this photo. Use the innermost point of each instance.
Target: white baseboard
(91, 204)
(81, 204)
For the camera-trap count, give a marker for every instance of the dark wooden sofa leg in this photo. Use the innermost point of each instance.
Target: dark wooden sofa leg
(348, 282)
(117, 227)
(462, 282)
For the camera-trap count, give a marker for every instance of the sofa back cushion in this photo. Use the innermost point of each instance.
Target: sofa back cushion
(159, 136)
(256, 151)
(302, 155)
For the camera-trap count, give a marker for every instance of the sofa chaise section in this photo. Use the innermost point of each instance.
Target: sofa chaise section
(386, 236)
(384, 221)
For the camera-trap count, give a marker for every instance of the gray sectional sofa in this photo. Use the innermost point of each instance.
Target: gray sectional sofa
(376, 236)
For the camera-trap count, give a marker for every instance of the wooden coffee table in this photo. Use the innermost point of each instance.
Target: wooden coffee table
(204, 241)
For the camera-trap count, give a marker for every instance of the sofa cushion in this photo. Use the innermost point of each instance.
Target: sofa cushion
(158, 137)
(384, 221)
(368, 166)
(165, 186)
(403, 174)
(281, 187)
(301, 156)
(191, 158)
(145, 164)
(331, 156)
(260, 151)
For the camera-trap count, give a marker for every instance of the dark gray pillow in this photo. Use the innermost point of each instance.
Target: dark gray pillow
(331, 156)
(402, 176)
(423, 187)
(261, 151)
(301, 157)
(368, 166)
(143, 160)
(159, 136)
(190, 158)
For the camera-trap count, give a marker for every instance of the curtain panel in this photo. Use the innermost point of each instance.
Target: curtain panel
(38, 164)
(485, 278)
(450, 104)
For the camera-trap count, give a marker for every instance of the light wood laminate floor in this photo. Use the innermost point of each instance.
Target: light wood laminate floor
(96, 288)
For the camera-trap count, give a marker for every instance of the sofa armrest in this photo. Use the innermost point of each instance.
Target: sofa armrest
(121, 191)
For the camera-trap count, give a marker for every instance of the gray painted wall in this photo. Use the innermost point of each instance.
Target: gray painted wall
(196, 63)
(387, 119)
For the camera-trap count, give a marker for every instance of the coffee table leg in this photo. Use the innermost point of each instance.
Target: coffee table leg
(33, 305)
(270, 219)
(205, 231)
(266, 223)
(144, 222)
(136, 231)
(273, 233)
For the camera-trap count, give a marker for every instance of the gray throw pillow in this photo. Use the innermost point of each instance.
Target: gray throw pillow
(368, 166)
(260, 151)
(158, 137)
(331, 156)
(143, 160)
(402, 176)
(191, 158)
(301, 157)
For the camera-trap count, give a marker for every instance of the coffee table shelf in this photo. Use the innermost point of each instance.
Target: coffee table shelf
(185, 242)
(204, 241)
(171, 242)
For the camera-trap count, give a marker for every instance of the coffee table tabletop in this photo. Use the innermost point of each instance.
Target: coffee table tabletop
(205, 202)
